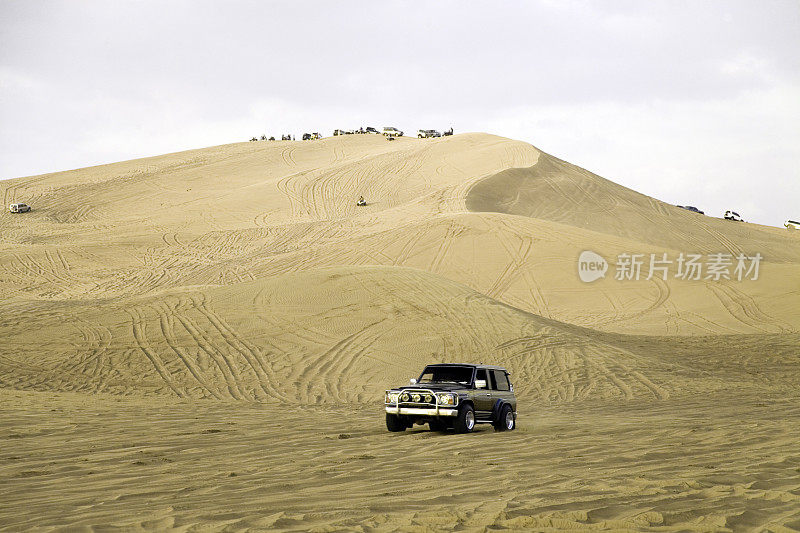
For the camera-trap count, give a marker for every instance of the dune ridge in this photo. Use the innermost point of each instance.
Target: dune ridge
(202, 340)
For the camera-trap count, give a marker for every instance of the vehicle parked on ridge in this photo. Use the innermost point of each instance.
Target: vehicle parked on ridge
(392, 132)
(370, 130)
(19, 208)
(792, 224)
(456, 396)
(425, 134)
(733, 215)
(691, 208)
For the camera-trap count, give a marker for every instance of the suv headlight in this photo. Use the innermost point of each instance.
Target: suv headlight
(446, 399)
(391, 397)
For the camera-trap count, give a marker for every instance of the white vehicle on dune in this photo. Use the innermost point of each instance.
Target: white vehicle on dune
(792, 224)
(733, 215)
(19, 208)
(425, 134)
(392, 132)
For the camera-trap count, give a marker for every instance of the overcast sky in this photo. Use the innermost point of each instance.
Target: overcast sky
(691, 102)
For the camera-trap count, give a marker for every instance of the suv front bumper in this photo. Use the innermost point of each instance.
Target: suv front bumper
(421, 411)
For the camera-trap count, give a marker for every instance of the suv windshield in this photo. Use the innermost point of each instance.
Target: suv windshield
(447, 374)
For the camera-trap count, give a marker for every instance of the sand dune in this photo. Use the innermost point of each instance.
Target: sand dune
(239, 212)
(241, 282)
(331, 336)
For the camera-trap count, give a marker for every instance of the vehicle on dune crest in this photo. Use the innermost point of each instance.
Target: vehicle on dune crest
(19, 208)
(426, 134)
(454, 396)
(392, 132)
(691, 208)
(792, 224)
(733, 215)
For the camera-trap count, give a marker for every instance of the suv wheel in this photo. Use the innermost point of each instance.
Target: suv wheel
(465, 421)
(395, 423)
(505, 421)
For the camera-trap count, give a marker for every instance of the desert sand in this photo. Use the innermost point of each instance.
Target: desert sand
(201, 340)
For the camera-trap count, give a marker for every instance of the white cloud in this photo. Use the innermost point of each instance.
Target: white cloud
(12, 81)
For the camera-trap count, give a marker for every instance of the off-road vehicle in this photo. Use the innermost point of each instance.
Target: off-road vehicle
(392, 132)
(733, 215)
(456, 396)
(19, 208)
(426, 134)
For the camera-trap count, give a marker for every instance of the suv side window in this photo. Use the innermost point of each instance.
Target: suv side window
(481, 374)
(500, 380)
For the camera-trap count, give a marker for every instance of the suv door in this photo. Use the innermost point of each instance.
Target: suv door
(501, 388)
(483, 396)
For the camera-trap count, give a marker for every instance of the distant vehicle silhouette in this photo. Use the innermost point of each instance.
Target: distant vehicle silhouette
(691, 208)
(19, 208)
(733, 215)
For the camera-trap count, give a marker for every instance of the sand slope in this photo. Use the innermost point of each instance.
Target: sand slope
(335, 335)
(154, 299)
(121, 265)
(226, 214)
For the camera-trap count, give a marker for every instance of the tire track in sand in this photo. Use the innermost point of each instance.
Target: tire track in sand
(140, 335)
(744, 309)
(252, 354)
(167, 321)
(327, 368)
(226, 366)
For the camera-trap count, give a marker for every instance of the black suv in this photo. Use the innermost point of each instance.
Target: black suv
(454, 396)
